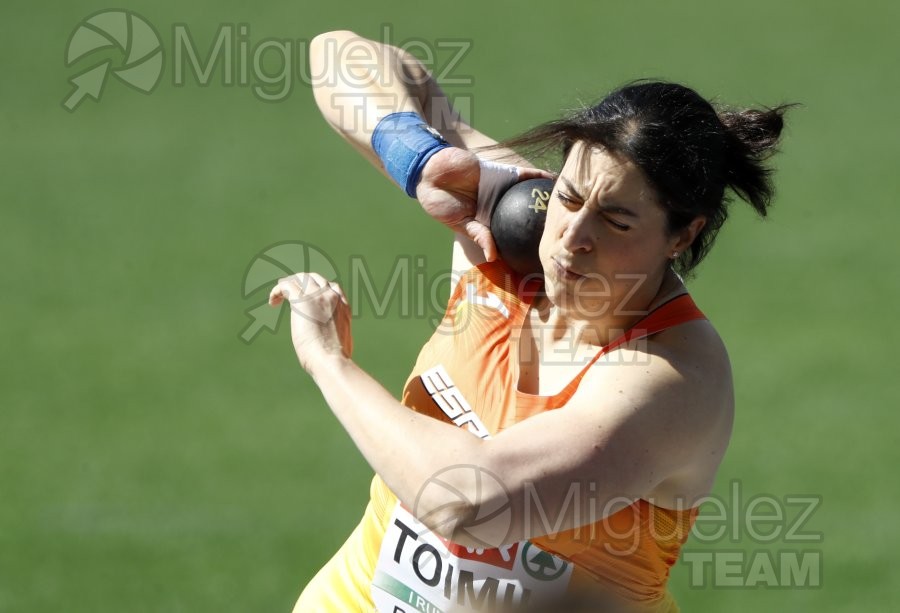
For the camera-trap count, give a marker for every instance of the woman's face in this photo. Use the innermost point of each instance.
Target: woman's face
(603, 224)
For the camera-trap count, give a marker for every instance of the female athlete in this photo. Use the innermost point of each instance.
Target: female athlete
(557, 434)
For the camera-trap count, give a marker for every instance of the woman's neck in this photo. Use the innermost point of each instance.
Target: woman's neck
(562, 325)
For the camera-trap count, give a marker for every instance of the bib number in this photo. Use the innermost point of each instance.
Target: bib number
(419, 571)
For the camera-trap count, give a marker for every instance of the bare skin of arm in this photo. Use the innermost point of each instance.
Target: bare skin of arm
(354, 94)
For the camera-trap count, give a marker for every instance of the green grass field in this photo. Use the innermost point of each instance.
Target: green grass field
(151, 461)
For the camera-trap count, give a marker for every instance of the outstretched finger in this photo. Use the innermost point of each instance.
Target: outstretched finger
(284, 289)
(275, 297)
(340, 292)
(535, 173)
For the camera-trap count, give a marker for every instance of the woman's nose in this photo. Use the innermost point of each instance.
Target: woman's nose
(577, 232)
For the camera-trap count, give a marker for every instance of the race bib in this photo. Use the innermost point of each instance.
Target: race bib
(418, 571)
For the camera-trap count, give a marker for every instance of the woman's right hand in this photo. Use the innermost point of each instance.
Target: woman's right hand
(448, 191)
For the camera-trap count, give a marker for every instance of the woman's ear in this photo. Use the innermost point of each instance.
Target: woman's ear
(685, 237)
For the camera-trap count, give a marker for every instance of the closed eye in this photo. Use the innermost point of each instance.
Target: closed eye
(617, 225)
(566, 199)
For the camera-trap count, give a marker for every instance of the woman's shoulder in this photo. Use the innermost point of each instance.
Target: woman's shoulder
(695, 342)
(688, 359)
(695, 356)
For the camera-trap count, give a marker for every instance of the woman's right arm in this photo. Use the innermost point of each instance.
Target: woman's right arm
(357, 82)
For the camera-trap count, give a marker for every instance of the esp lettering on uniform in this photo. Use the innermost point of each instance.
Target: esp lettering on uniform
(451, 401)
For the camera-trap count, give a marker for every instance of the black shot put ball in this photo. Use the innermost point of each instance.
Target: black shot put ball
(517, 223)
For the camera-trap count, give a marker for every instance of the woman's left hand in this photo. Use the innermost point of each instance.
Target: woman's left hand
(448, 191)
(320, 317)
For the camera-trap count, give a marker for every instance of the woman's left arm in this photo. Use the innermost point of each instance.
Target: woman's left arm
(653, 421)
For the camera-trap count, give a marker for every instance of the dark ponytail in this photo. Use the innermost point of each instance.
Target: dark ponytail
(690, 152)
(751, 139)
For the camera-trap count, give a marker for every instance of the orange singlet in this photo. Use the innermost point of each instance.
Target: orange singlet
(465, 375)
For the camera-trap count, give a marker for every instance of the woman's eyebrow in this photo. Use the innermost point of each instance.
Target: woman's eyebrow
(606, 207)
(571, 188)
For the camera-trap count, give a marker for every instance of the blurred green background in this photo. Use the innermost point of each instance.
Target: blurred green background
(152, 461)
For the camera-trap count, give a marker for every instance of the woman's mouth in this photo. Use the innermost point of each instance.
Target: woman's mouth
(564, 273)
